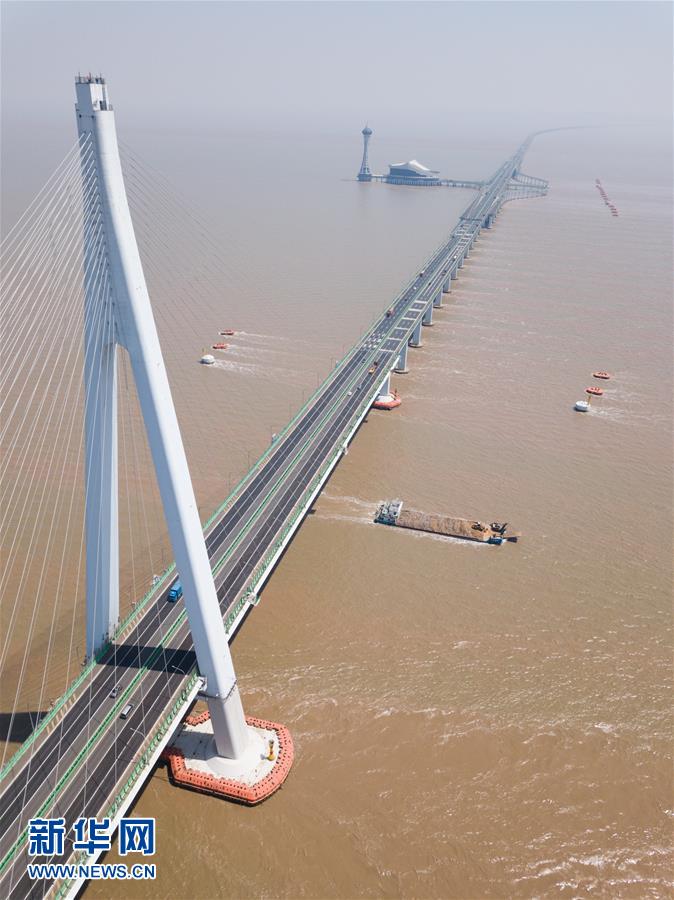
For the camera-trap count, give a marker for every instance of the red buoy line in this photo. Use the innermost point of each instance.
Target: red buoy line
(605, 198)
(584, 405)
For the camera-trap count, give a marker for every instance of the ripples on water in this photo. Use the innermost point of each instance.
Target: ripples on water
(491, 722)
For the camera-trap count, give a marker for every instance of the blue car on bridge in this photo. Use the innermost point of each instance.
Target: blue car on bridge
(175, 593)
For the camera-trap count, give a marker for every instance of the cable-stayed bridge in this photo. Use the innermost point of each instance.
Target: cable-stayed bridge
(83, 759)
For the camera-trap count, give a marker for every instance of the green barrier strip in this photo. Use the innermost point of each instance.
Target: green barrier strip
(92, 740)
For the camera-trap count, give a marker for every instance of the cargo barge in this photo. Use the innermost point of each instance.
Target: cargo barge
(391, 512)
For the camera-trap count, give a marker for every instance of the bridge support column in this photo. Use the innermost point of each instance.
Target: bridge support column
(437, 302)
(427, 318)
(401, 365)
(415, 340)
(386, 398)
(135, 329)
(447, 285)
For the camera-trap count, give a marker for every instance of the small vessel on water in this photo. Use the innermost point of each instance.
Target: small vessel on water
(207, 359)
(220, 346)
(227, 331)
(391, 512)
(604, 375)
(582, 405)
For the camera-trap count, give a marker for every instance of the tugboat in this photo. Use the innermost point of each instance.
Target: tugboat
(227, 331)
(220, 346)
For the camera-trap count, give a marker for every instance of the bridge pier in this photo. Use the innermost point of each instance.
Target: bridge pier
(401, 365)
(427, 318)
(437, 302)
(447, 285)
(415, 340)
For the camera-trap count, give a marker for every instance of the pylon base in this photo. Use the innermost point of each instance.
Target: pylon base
(194, 763)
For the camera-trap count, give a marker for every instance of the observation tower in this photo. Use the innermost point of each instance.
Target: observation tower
(365, 174)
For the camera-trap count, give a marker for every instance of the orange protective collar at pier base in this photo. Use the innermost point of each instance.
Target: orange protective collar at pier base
(227, 788)
(387, 401)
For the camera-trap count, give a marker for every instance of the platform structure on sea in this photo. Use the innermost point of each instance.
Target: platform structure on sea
(391, 512)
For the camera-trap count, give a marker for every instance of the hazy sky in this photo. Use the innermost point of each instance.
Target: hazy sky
(330, 64)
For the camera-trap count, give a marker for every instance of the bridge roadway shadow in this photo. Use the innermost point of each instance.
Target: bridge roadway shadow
(21, 726)
(137, 656)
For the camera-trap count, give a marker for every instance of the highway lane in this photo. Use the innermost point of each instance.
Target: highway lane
(249, 551)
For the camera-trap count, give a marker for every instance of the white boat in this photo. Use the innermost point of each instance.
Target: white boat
(207, 359)
(582, 405)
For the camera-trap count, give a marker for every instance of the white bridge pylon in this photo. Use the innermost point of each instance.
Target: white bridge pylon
(128, 321)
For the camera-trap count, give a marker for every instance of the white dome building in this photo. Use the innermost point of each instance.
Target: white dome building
(412, 172)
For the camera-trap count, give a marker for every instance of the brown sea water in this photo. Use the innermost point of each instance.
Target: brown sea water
(469, 721)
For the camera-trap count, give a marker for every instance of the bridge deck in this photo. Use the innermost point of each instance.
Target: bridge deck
(82, 761)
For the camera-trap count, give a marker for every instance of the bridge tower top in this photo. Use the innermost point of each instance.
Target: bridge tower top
(92, 94)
